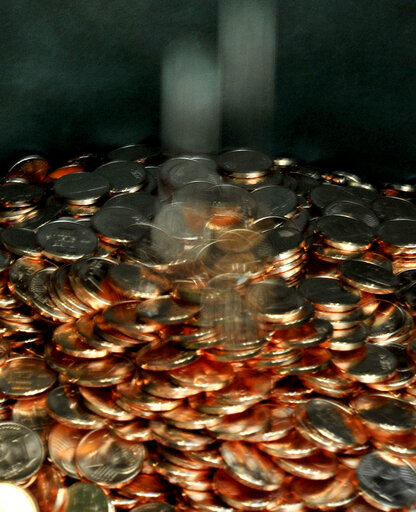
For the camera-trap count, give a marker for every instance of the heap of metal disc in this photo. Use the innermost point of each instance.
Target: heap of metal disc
(200, 333)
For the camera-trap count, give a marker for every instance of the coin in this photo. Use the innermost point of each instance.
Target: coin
(88, 497)
(240, 496)
(25, 377)
(275, 200)
(326, 422)
(101, 372)
(107, 460)
(123, 176)
(68, 340)
(206, 500)
(100, 401)
(386, 482)
(345, 233)
(328, 293)
(21, 241)
(130, 281)
(244, 163)
(22, 452)
(117, 224)
(81, 187)
(250, 466)
(332, 494)
(48, 489)
(65, 406)
(40, 297)
(19, 276)
(319, 466)
(66, 241)
(154, 507)
(20, 194)
(179, 439)
(353, 209)
(136, 430)
(62, 441)
(385, 413)
(291, 446)
(389, 208)
(323, 195)
(12, 496)
(32, 413)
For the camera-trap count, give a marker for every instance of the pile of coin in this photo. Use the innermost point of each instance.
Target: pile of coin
(205, 333)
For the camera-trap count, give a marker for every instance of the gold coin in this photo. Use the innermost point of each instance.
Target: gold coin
(25, 376)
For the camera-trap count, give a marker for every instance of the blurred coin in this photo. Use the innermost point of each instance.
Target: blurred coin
(117, 224)
(101, 372)
(20, 194)
(319, 466)
(244, 163)
(130, 281)
(387, 482)
(368, 276)
(25, 377)
(353, 209)
(21, 241)
(179, 439)
(275, 200)
(107, 460)
(124, 176)
(22, 452)
(13, 497)
(84, 496)
(323, 195)
(49, 489)
(389, 208)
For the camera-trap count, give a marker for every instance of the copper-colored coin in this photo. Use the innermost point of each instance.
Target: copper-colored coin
(123, 316)
(291, 446)
(339, 491)
(32, 413)
(58, 361)
(251, 467)
(385, 413)
(68, 340)
(185, 417)
(101, 402)
(159, 384)
(133, 398)
(25, 376)
(361, 506)
(13, 497)
(65, 406)
(206, 500)
(312, 360)
(368, 276)
(146, 486)
(49, 489)
(108, 460)
(165, 310)
(319, 466)
(204, 375)
(101, 372)
(20, 273)
(179, 439)
(247, 388)
(255, 420)
(211, 456)
(180, 458)
(328, 293)
(163, 356)
(279, 424)
(327, 423)
(349, 339)
(136, 430)
(131, 282)
(240, 496)
(62, 442)
(197, 480)
(389, 319)
(309, 334)
(369, 364)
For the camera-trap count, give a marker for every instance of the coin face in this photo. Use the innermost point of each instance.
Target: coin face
(387, 481)
(25, 377)
(107, 460)
(65, 240)
(88, 497)
(62, 442)
(21, 450)
(124, 176)
(81, 187)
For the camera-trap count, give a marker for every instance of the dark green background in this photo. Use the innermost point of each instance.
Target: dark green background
(84, 74)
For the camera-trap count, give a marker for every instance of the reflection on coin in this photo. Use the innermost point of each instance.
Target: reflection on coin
(14, 498)
(107, 460)
(62, 442)
(250, 466)
(101, 372)
(387, 482)
(48, 489)
(81, 187)
(86, 497)
(25, 376)
(21, 451)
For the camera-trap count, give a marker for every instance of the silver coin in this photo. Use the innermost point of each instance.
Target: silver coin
(275, 200)
(325, 194)
(86, 497)
(21, 452)
(245, 163)
(81, 187)
(389, 208)
(353, 209)
(123, 176)
(20, 194)
(116, 224)
(391, 483)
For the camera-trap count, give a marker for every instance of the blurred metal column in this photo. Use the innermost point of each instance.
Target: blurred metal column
(247, 45)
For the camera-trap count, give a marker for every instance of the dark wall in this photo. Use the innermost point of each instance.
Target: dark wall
(84, 74)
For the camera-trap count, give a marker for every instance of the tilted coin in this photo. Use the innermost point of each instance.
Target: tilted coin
(64, 405)
(66, 241)
(81, 187)
(123, 176)
(323, 195)
(250, 466)
(344, 232)
(386, 481)
(319, 466)
(325, 421)
(134, 152)
(177, 438)
(25, 377)
(389, 208)
(154, 507)
(41, 298)
(132, 283)
(353, 209)
(291, 446)
(20, 194)
(244, 163)
(20, 273)
(162, 356)
(62, 442)
(328, 292)
(101, 372)
(117, 224)
(49, 489)
(275, 200)
(21, 241)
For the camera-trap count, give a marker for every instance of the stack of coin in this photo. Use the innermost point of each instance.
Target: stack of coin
(167, 353)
